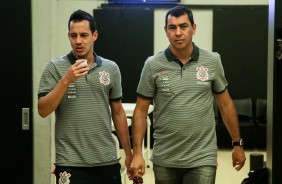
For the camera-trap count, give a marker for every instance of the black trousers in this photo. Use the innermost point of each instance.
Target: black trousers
(109, 174)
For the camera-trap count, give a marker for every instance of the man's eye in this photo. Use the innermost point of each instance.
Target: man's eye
(73, 36)
(183, 27)
(171, 28)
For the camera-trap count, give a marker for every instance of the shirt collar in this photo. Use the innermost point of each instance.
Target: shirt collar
(72, 58)
(194, 57)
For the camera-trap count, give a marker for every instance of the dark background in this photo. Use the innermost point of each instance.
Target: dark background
(126, 37)
(16, 92)
(240, 36)
(276, 134)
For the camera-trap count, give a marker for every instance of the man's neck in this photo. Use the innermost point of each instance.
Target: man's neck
(183, 55)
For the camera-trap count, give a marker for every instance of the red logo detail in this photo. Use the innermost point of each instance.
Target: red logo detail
(164, 72)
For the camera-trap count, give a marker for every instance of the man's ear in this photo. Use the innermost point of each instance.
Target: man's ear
(194, 28)
(165, 31)
(95, 36)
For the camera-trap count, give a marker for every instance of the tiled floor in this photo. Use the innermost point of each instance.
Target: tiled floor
(226, 174)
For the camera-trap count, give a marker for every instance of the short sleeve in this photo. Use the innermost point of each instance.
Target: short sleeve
(116, 91)
(220, 82)
(146, 86)
(48, 79)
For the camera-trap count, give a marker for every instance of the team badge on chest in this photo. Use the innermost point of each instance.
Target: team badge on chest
(202, 73)
(104, 77)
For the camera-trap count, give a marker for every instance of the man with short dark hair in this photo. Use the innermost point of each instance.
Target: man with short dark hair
(182, 82)
(85, 92)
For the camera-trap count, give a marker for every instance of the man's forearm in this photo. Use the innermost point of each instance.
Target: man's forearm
(123, 134)
(139, 126)
(48, 103)
(230, 119)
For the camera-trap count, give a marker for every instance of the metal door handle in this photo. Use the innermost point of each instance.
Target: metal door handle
(25, 118)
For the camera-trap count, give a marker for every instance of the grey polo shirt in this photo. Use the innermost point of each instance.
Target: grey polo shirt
(184, 123)
(83, 120)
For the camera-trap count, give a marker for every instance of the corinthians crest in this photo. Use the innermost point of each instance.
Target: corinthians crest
(64, 178)
(104, 78)
(202, 73)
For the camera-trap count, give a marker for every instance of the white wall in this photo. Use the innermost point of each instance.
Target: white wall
(49, 32)
(42, 37)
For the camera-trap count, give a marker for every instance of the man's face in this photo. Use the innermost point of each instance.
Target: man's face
(179, 32)
(81, 38)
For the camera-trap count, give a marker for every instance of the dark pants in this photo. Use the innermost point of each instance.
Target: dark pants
(88, 175)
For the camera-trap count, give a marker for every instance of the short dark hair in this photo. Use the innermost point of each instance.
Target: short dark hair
(178, 11)
(80, 15)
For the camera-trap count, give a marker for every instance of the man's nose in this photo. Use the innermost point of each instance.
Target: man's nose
(178, 31)
(78, 40)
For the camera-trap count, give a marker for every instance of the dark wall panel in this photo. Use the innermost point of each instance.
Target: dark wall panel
(278, 14)
(126, 37)
(16, 92)
(240, 36)
(277, 99)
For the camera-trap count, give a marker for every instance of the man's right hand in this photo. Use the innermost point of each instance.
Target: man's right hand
(78, 69)
(138, 165)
